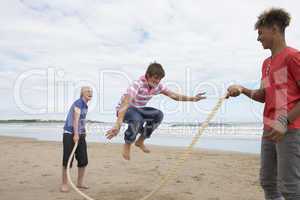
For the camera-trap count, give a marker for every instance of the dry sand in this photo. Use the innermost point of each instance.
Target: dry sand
(31, 170)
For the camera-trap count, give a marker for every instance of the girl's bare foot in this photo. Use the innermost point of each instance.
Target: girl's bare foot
(64, 188)
(126, 151)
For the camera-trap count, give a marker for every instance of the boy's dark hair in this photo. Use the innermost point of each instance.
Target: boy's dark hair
(273, 16)
(155, 69)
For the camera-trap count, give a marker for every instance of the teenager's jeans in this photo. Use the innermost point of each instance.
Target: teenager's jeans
(280, 167)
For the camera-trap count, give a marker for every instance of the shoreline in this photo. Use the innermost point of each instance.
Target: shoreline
(182, 148)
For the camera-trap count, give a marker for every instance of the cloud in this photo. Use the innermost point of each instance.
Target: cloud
(198, 42)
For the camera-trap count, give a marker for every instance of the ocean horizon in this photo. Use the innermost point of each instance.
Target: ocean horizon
(238, 137)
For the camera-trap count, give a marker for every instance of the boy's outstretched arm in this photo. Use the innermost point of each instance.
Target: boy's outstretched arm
(180, 97)
(121, 114)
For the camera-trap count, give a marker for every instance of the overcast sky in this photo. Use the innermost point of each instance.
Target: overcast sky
(49, 48)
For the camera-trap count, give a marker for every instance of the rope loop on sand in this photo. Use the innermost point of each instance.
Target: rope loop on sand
(69, 176)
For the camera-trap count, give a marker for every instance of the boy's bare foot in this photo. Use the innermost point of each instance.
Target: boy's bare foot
(85, 187)
(64, 188)
(143, 148)
(140, 143)
(126, 151)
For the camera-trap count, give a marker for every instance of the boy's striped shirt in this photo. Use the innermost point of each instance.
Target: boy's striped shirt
(140, 93)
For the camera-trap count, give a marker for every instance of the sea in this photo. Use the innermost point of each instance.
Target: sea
(237, 137)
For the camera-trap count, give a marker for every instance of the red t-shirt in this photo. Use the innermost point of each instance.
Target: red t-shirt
(280, 74)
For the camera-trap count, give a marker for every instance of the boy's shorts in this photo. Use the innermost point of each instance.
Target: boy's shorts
(80, 153)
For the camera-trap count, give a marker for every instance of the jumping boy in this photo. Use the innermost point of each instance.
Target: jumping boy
(74, 131)
(133, 111)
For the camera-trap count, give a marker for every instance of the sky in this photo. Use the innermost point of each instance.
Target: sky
(50, 48)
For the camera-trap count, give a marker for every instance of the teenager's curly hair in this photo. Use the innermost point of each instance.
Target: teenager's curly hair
(273, 16)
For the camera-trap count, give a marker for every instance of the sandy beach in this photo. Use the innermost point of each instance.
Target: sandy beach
(31, 169)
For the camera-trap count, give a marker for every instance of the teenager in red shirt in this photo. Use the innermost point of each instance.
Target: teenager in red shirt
(280, 91)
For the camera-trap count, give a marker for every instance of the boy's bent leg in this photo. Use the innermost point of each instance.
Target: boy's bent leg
(289, 165)
(268, 170)
(153, 118)
(135, 122)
